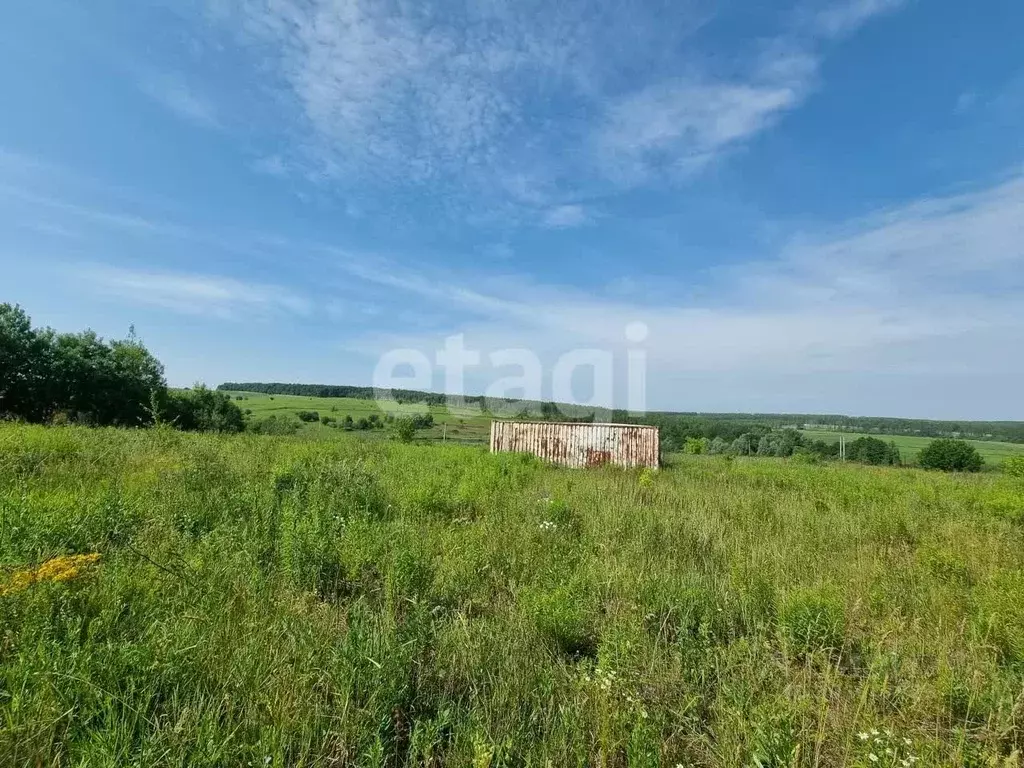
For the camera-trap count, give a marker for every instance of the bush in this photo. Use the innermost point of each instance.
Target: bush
(273, 425)
(1014, 466)
(404, 429)
(202, 410)
(696, 445)
(871, 450)
(308, 416)
(950, 455)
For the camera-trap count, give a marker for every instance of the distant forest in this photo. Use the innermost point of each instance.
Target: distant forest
(709, 425)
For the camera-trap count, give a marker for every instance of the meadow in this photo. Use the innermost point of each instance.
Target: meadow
(185, 599)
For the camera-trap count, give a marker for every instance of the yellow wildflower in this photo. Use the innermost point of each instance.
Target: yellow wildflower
(56, 569)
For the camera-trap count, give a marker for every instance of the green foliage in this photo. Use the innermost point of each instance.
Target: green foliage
(308, 416)
(950, 455)
(404, 429)
(81, 376)
(871, 450)
(202, 410)
(78, 376)
(696, 445)
(273, 425)
(25, 366)
(1014, 466)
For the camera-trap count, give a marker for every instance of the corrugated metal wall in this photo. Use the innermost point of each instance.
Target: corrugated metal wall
(579, 445)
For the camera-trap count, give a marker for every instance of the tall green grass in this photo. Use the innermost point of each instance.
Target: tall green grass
(289, 602)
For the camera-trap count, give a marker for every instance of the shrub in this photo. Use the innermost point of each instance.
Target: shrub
(696, 445)
(404, 429)
(1014, 466)
(273, 425)
(950, 455)
(871, 450)
(308, 416)
(202, 410)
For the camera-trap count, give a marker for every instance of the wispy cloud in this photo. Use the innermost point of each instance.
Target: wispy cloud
(411, 92)
(175, 95)
(681, 124)
(931, 288)
(566, 216)
(844, 18)
(194, 294)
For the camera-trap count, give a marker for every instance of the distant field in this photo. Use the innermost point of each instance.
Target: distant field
(994, 453)
(463, 425)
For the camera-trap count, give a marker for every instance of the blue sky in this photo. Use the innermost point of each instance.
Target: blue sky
(812, 206)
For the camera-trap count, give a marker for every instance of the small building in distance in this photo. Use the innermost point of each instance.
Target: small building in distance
(574, 444)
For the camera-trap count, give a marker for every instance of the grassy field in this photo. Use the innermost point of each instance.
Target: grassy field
(197, 600)
(993, 452)
(459, 425)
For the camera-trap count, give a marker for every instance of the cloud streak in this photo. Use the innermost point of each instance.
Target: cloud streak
(420, 92)
(175, 95)
(195, 294)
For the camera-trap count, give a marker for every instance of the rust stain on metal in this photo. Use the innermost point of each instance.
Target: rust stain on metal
(575, 444)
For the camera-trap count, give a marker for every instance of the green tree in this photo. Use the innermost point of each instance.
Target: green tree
(404, 429)
(871, 450)
(950, 455)
(25, 358)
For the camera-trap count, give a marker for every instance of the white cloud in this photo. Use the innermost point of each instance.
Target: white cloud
(195, 294)
(846, 17)
(684, 125)
(935, 289)
(400, 92)
(175, 95)
(566, 216)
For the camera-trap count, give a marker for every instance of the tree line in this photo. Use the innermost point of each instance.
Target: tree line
(1005, 431)
(51, 377)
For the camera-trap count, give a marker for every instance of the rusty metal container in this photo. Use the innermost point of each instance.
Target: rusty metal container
(573, 444)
